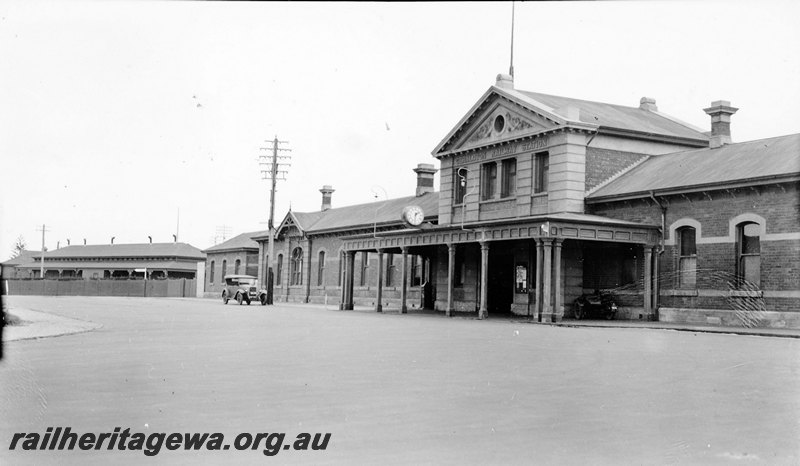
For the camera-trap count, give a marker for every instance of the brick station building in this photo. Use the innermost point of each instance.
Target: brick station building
(238, 255)
(544, 198)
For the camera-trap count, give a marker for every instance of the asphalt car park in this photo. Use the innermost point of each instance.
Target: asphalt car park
(398, 389)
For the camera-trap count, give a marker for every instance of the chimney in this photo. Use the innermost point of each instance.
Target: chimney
(112, 239)
(326, 191)
(67, 243)
(151, 239)
(720, 112)
(648, 103)
(505, 81)
(58, 244)
(174, 238)
(425, 172)
(84, 241)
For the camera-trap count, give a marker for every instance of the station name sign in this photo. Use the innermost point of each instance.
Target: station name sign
(508, 149)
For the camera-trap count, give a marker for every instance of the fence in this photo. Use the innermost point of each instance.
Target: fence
(171, 288)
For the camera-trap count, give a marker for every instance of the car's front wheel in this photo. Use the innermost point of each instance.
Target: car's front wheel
(263, 300)
(224, 297)
(239, 299)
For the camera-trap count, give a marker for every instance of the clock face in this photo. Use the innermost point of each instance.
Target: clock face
(413, 215)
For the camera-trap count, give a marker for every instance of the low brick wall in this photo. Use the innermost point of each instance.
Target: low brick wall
(730, 318)
(175, 288)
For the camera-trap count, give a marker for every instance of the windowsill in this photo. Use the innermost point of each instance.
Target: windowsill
(746, 294)
(539, 194)
(498, 200)
(684, 292)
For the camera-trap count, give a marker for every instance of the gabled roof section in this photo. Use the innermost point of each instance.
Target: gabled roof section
(298, 220)
(765, 159)
(381, 212)
(620, 117)
(24, 257)
(561, 112)
(242, 241)
(351, 217)
(473, 120)
(181, 250)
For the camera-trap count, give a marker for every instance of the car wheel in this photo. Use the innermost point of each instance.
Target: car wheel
(224, 297)
(248, 300)
(239, 299)
(263, 300)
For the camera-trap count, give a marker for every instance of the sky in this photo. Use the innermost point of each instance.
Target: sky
(137, 119)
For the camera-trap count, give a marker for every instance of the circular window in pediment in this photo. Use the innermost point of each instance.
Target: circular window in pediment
(499, 123)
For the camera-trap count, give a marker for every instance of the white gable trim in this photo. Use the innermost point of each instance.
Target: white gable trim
(515, 97)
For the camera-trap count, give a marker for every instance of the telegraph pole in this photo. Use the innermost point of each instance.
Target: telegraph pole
(41, 263)
(274, 173)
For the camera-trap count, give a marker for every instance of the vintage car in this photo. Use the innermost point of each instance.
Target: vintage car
(243, 288)
(598, 303)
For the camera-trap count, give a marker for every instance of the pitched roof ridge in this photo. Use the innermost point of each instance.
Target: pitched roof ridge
(365, 204)
(581, 100)
(762, 139)
(616, 175)
(629, 107)
(701, 149)
(523, 95)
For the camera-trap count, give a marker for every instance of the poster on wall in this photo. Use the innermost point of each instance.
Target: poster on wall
(521, 278)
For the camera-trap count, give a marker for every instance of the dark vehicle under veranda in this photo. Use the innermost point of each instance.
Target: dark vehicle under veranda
(599, 303)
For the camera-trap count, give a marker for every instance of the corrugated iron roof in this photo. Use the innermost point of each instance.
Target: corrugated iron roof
(24, 257)
(135, 264)
(361, 215)
(242, 241)
(764, 158)
(621, 117)
(128, 250)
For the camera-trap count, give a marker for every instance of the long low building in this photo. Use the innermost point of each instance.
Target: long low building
(110, 261)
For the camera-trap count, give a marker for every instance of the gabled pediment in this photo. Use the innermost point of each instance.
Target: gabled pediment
(499, 116)
(289, 226)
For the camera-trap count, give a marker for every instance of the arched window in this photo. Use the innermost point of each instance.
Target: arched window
(211, 274)
(236, 266)
(687, 257)
(224, 269)
(748, 251)
(279, 273)
(321, 269)
(296, 270)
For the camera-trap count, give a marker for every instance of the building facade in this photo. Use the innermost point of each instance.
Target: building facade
(238, 255)
(544, 198)
(113, 261)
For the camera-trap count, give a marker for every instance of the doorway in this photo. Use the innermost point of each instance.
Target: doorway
(501, 281)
